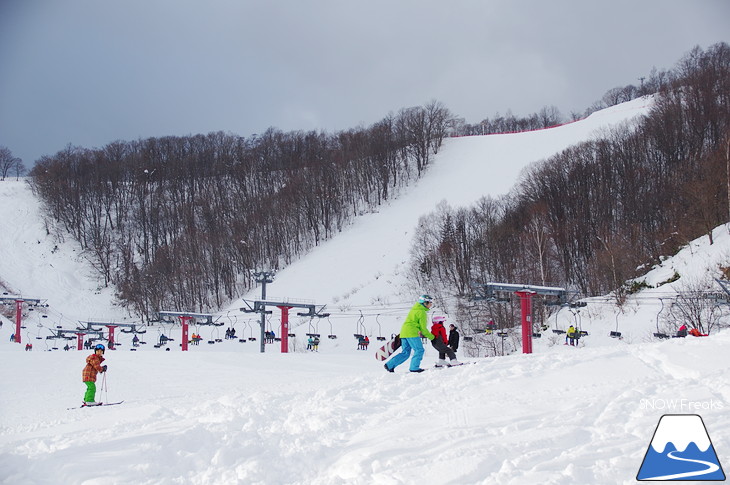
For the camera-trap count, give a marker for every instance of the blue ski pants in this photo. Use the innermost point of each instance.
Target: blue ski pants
(407, 345)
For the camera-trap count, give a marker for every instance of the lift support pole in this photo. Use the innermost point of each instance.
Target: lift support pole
(259, 306)
(526, 307)
(19, 312)
(488, 292)
(185, 317)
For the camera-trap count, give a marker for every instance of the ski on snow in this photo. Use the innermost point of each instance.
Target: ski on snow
(97, 405)
(451, 366)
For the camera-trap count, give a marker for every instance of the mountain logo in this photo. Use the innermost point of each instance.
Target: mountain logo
(681, 450)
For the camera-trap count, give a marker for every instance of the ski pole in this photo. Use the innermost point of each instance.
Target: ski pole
(105, 388)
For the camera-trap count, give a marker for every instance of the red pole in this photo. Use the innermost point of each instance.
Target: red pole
(18, 312)
(80, 341)
(185, 332)
(526, 305)
(111, 336)
(285, 328)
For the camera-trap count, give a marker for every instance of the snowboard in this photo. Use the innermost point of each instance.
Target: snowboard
(388, 349)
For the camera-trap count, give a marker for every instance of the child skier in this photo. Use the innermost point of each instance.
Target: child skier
(93, 367)
(440, 343)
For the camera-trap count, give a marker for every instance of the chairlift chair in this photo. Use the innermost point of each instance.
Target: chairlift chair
(332, 334)
(380, 330)
(615, 333)
(658, 334)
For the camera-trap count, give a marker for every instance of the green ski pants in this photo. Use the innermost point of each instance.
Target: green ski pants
(90, 391)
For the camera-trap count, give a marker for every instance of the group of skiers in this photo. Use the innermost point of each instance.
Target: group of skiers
(313, 343)
(683, 332)
(572, 336)
(362, 342)
(414, 328)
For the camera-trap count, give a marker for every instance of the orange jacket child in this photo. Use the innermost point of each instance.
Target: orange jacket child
(88, 376)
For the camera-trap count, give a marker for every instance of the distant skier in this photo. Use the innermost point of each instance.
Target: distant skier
(416, 322)
(439, 343)
(88, 376)
(682, 331)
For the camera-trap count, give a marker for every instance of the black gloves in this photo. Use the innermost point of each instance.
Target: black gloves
(103, 368)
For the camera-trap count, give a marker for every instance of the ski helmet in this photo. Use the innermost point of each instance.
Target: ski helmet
(439, 319)
(99, 347)
(425, 299)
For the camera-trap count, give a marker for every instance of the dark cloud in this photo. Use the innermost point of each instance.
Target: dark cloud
(86, 72)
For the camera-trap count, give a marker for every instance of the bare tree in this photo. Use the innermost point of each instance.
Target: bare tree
(9, 163)
(694, 307)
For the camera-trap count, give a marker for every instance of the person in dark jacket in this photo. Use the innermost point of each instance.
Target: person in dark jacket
(453, 337)
(439, 343)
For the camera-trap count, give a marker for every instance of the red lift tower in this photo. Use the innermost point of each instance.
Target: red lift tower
(259, 306)
(19, 311)
(185, 317)
(111, 341)
(489, 292)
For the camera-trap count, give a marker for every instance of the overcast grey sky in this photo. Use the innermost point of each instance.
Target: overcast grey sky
(88, 72)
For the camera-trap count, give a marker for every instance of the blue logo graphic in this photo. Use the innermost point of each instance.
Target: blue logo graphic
(681, 450)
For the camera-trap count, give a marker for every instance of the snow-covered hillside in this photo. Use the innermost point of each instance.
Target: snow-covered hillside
(224, 413)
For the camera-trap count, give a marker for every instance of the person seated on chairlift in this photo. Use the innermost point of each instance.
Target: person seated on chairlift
(570, 336)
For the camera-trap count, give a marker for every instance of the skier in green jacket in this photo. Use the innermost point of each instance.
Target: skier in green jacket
(416, 322)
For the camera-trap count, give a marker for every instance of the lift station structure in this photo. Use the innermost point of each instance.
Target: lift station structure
(185, 317)
(19, 311)
(489, 292)
(259, 306)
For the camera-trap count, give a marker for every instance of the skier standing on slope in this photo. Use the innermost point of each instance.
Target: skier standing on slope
(440, 341)
(453, 337)
(416, 322)
(93, 367)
